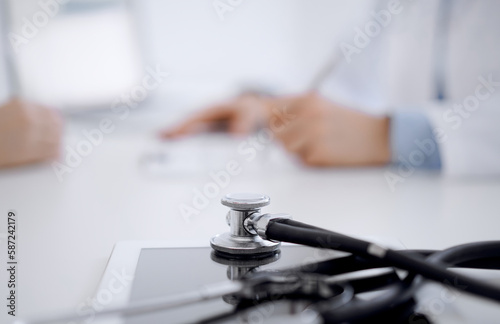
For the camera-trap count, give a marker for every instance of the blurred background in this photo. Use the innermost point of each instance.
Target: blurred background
(81, 55)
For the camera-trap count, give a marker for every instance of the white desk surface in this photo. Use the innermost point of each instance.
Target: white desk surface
(67, 230)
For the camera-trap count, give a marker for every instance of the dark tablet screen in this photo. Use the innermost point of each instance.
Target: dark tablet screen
(167, 271)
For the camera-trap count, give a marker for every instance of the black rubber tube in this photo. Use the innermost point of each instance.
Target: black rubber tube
(316, 237)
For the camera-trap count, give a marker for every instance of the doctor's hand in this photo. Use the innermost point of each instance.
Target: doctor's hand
(322, 133)
(28, 133)
(239, 116)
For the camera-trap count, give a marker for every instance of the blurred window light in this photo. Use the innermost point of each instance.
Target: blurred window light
(75, 54)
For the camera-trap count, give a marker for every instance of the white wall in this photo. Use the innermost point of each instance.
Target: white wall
(4, 86)
(277, 41)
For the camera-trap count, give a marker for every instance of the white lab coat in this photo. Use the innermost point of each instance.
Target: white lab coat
(395, 71)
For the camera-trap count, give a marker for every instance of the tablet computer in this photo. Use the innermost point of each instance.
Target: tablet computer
(139, 270)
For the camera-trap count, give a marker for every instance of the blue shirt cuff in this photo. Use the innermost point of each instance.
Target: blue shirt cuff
(413, 141)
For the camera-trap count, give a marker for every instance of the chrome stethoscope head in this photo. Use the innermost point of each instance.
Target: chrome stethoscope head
(246, 237)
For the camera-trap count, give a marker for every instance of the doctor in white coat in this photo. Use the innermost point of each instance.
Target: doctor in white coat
(417, 84)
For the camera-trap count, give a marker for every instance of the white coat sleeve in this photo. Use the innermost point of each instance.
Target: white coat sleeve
(468, 132)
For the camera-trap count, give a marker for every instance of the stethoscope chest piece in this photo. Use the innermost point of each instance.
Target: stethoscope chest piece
(242, 241)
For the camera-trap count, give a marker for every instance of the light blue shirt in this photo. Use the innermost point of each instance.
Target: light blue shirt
(413, 141)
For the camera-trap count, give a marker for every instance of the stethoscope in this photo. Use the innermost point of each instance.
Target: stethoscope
(255, 238)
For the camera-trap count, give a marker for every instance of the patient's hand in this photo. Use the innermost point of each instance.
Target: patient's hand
(320, 132)
(28, 133)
